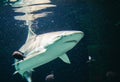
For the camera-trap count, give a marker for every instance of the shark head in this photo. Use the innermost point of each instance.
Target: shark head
(43, 48)
(63, 40)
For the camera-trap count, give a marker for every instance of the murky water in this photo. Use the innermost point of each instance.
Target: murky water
(99, 20)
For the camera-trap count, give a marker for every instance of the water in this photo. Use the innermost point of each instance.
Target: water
(99, 20)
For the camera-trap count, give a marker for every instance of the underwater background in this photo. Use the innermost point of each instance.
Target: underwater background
(98, 19)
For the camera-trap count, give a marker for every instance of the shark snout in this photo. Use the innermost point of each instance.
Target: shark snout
(73, 36)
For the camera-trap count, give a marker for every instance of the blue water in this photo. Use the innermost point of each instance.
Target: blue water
(99, 20)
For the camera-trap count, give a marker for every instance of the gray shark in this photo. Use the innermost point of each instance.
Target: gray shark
(43, 48)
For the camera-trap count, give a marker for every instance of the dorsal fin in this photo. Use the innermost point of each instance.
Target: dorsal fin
(31, 34)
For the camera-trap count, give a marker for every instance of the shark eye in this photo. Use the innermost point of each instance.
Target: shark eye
(18, 55)
(58, 37)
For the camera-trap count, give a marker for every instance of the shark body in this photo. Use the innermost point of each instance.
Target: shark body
(41, 49)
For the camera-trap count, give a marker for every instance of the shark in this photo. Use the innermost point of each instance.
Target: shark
(43, 48)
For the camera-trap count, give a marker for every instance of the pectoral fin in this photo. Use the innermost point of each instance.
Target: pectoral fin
(65, 58)
(27, 75)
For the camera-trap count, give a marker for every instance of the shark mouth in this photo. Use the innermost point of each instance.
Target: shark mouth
(71, 41)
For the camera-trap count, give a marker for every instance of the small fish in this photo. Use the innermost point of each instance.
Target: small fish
(50, 77)
(13, 0)
(110, 74)
(18, 55)
(90, 59)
